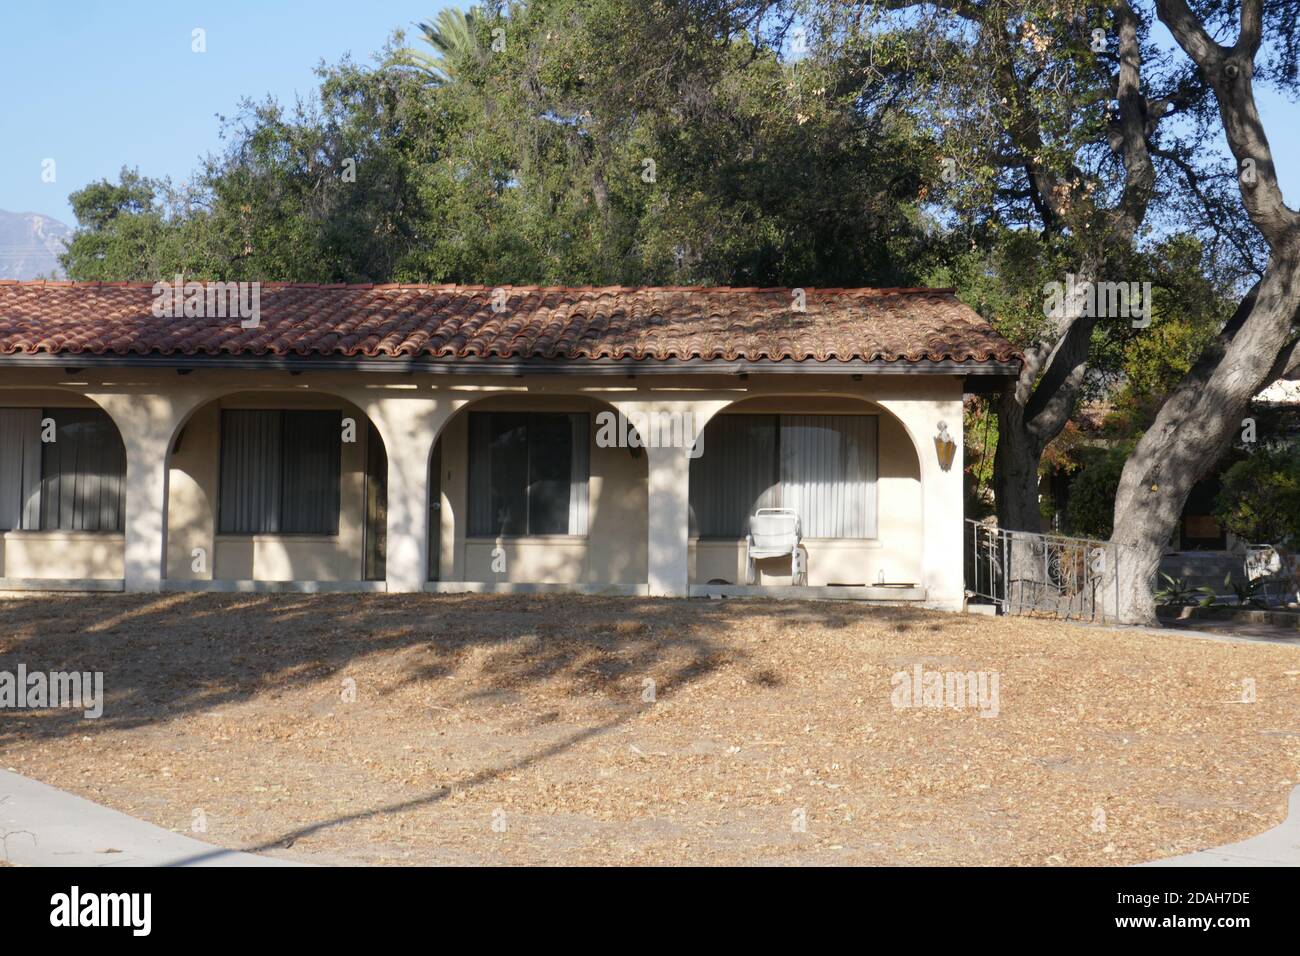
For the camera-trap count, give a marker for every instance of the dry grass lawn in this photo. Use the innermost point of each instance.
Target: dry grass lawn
(515, 730)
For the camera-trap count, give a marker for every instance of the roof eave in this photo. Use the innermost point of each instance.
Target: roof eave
(403, 365)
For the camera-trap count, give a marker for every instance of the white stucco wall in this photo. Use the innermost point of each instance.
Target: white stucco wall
(193, 497)
(638, 519)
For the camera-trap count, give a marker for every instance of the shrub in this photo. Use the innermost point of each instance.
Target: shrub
(1260, 498)
(1091, 508)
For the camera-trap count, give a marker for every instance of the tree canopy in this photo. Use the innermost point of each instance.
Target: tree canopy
(549, 147)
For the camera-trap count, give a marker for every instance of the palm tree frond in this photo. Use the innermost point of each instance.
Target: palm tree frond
(451, 35)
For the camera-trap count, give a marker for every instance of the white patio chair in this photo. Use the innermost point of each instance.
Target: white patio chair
(1265, 563)
(774, 533)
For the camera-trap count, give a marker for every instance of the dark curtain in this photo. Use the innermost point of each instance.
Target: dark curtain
(20, 468)
(279, 471)
(376, 527)
(82, 472)
(550, 471)
(737, 473)
(309, 493)
(524, 476)
(249, 500)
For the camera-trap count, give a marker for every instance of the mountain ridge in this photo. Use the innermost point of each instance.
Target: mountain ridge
(30, 244)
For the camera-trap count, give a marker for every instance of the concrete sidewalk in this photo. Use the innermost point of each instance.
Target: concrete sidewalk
(42, 826)
(1279, 846)
(1223, 631)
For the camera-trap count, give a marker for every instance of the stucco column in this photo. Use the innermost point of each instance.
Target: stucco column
(945, 500)
(668, 536)
(148, 424)
(669, 476)
(409, 424)
(942, 493)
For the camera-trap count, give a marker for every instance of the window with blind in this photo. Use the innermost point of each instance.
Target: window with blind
(279, 471)
(73, 483)
(528, 473)
(822, 466)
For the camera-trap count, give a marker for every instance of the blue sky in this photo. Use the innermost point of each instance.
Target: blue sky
(99, 85)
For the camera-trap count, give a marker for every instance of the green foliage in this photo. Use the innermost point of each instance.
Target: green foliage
(1248, 593)
(281, 203)
(647, 143)
(452, 37)
(1091, 508)
(1001, 276)
(1260, 498)
(128, 230)
(605, 143)
(1176, 593)
(1189, 309)
(337, 191)
(980, 428)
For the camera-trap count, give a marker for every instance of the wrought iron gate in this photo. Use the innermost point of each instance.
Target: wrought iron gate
(1051, 575)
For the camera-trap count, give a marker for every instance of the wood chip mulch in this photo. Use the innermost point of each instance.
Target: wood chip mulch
(576, 730)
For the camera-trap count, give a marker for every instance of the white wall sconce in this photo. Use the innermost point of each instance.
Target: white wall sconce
(944, 447)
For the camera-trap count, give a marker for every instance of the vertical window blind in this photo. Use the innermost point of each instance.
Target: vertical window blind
(279, 471)
(528, 473)
(738, 473)
(73, 483)
(822, 466)
(20, 468)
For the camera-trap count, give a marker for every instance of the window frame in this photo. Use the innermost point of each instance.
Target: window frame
(281, 485)
(473, 482)
(38, 504)
(777, 446)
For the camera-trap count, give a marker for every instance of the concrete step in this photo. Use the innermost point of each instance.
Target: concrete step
(1208, 569)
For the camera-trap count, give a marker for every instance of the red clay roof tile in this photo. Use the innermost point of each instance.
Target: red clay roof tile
(653, 323)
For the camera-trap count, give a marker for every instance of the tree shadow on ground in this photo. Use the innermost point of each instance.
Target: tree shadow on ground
(167, 656)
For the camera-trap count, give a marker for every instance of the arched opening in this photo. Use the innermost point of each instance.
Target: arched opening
(276, 487)
(844, 468)
(525, 491)
(62, 491)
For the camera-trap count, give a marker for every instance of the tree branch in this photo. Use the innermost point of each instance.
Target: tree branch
(1252, 28)
(1189, 34)
(1229, 73)
(1213, 216)
(1287, 364)
(1139, 171)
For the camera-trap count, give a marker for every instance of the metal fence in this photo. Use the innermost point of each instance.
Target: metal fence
(1044, 574)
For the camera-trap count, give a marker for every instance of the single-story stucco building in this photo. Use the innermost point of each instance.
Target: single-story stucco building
(408, 438)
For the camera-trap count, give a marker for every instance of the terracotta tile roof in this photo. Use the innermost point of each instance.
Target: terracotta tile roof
(458, 322)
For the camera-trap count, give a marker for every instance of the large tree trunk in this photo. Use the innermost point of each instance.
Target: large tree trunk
(1015, 468)
(1194, 428)
(1197, 423)
(1034, 410)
